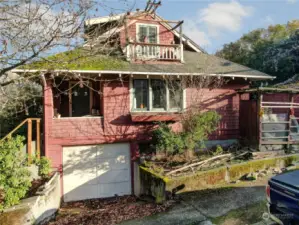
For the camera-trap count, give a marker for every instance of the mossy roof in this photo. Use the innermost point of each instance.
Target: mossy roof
(194, 62)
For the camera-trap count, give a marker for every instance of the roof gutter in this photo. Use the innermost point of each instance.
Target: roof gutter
(256, 77)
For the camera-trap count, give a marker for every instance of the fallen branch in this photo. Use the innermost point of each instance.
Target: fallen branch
(240, 155)
(198, 163)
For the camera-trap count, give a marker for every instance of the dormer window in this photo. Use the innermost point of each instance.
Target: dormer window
(147, 33)
(148, 39)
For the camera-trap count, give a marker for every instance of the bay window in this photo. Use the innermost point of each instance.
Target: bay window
(156, 95)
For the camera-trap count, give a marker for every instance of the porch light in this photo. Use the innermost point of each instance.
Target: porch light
(75, 93)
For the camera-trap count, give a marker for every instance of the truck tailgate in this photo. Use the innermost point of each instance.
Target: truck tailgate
(284, 192)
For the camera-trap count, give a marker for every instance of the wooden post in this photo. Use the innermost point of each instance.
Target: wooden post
(291, 99)
(259, 120)
(38, 138)
(29, 140)
(181, 43)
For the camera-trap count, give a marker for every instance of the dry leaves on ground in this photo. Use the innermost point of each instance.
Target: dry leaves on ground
(105, 211)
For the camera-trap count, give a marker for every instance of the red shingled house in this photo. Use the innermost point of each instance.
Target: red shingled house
(92, 133)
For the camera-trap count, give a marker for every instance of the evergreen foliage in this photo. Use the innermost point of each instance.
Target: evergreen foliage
(14, 177)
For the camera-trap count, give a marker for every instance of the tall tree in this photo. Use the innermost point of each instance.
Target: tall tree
(271, 50)
(31, 31)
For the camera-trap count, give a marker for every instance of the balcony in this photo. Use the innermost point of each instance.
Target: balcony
(159, 52)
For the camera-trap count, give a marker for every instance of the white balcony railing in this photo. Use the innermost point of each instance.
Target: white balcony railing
(147, 51)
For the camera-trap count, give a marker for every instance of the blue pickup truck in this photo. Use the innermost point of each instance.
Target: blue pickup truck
(283, 198)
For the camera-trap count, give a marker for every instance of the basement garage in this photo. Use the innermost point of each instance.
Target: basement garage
(97, 171)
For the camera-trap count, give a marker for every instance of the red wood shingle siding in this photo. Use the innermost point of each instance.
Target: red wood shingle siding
(116, 124)
(165, 36)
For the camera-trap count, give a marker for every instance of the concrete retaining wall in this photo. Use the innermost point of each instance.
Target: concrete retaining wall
(152, 184)
(211, 178)
(156, 185)
(37, 209)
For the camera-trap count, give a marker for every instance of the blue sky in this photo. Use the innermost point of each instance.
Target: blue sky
(214, 23)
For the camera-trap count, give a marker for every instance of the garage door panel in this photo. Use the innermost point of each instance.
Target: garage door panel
(79, 157)
(113, 176)
(119, 163)
(113, 189)
(80, 177)
(96, 171)
(111, 150)
(88, 191)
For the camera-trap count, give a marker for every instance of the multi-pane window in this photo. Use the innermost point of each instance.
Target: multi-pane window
(157, 95)
(140, 94)
(175, 94)
(147, 34)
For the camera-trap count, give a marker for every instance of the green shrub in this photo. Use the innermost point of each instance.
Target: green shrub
(196, 130)
(165, 140)
(44, 166)
(218, 151)
(14, 176)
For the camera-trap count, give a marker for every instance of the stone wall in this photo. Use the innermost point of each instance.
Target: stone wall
(37, 209)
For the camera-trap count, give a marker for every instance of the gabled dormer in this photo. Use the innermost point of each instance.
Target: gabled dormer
(143, 36)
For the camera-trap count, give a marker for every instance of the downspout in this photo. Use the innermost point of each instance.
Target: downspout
(45, 138)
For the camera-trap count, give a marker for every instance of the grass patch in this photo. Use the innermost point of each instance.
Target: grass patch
(246, 215)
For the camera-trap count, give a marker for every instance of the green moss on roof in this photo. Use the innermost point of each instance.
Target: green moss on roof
(78, 59)
(194, 62)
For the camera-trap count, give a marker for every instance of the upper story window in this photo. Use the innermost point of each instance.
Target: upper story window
(157, 95)
(147, 34)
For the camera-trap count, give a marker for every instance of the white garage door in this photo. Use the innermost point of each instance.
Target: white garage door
(97, 171)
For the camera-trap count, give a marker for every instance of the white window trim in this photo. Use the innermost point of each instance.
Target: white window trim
(147, 25)
(150, 107)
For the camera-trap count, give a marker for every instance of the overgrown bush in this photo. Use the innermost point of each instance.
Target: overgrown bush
(44, 167)
(14, 176)
(165, 140)
(218, 151)
(195, 131)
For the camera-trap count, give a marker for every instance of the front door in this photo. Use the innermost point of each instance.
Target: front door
(80, 101)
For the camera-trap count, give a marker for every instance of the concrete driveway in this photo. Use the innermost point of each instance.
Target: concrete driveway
(199, 206)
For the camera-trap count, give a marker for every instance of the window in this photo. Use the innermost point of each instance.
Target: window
(147, 34)
(80, 101)
(157, 95)
(140, 94)
(74, 100)
(175, 94)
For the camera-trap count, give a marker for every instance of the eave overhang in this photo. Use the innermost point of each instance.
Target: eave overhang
(119, 72)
